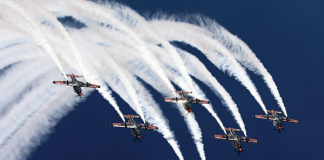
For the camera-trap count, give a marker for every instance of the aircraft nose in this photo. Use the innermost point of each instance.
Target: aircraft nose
(189, 110)
(240, 149)
(79, 94)
(279, 127)
(139, 137)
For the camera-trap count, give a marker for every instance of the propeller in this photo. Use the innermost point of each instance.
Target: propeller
(88, 84)
(139, 139)
(145, 125)
(67, 82)
(239, 150)
(125, 125)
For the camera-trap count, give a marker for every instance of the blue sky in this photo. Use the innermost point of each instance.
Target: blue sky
(286, 36)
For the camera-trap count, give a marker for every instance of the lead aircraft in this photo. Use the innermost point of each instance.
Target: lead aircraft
(185, 100)
(275, 119)
(235, 139)
(76, 84)
(134, 126)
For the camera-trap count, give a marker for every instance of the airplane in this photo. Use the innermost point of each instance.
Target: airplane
(235, 139)
(276, 120)
(134, 126)
(186, 101)
(76, 84)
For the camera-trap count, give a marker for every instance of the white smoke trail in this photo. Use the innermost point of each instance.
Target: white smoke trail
(56, 38)
(190, 118)
(105, 60)
(197, 69)
(41, 116)
(40, 92)
(138, 67)
(25, 51)
(75, 51)
(103, 90)
(66, 37)
(153, 114)
(215, 52)
(126, 15)
(242, 53)
(34, 29)
(85, 10)
(16, 83)
(112, 74)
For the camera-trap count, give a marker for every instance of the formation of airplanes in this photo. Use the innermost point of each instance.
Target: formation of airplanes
(186, 101)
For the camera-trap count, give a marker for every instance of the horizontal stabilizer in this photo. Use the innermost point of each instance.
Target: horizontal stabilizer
(132, 116)
(229, 129)
(183, 92)
(270, 111)
(72, 75)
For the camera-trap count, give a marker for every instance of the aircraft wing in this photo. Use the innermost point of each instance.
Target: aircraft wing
(148, 126)
(89, 85)
(175, 100)
(249, 140)
(122, 125)
(69, 83)
(225, 137)
(263, 116)
(285, 119)
(195, 100)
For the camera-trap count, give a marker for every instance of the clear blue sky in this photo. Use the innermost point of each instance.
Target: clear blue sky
(288, 39)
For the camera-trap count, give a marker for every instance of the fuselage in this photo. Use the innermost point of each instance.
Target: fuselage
(77, 86)
(186, 104)
(276, 120)
(135, 131)
(237, 141)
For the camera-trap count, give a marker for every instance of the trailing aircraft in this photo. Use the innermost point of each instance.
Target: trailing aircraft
(275, 119)
(235, 139)
(134, 126)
